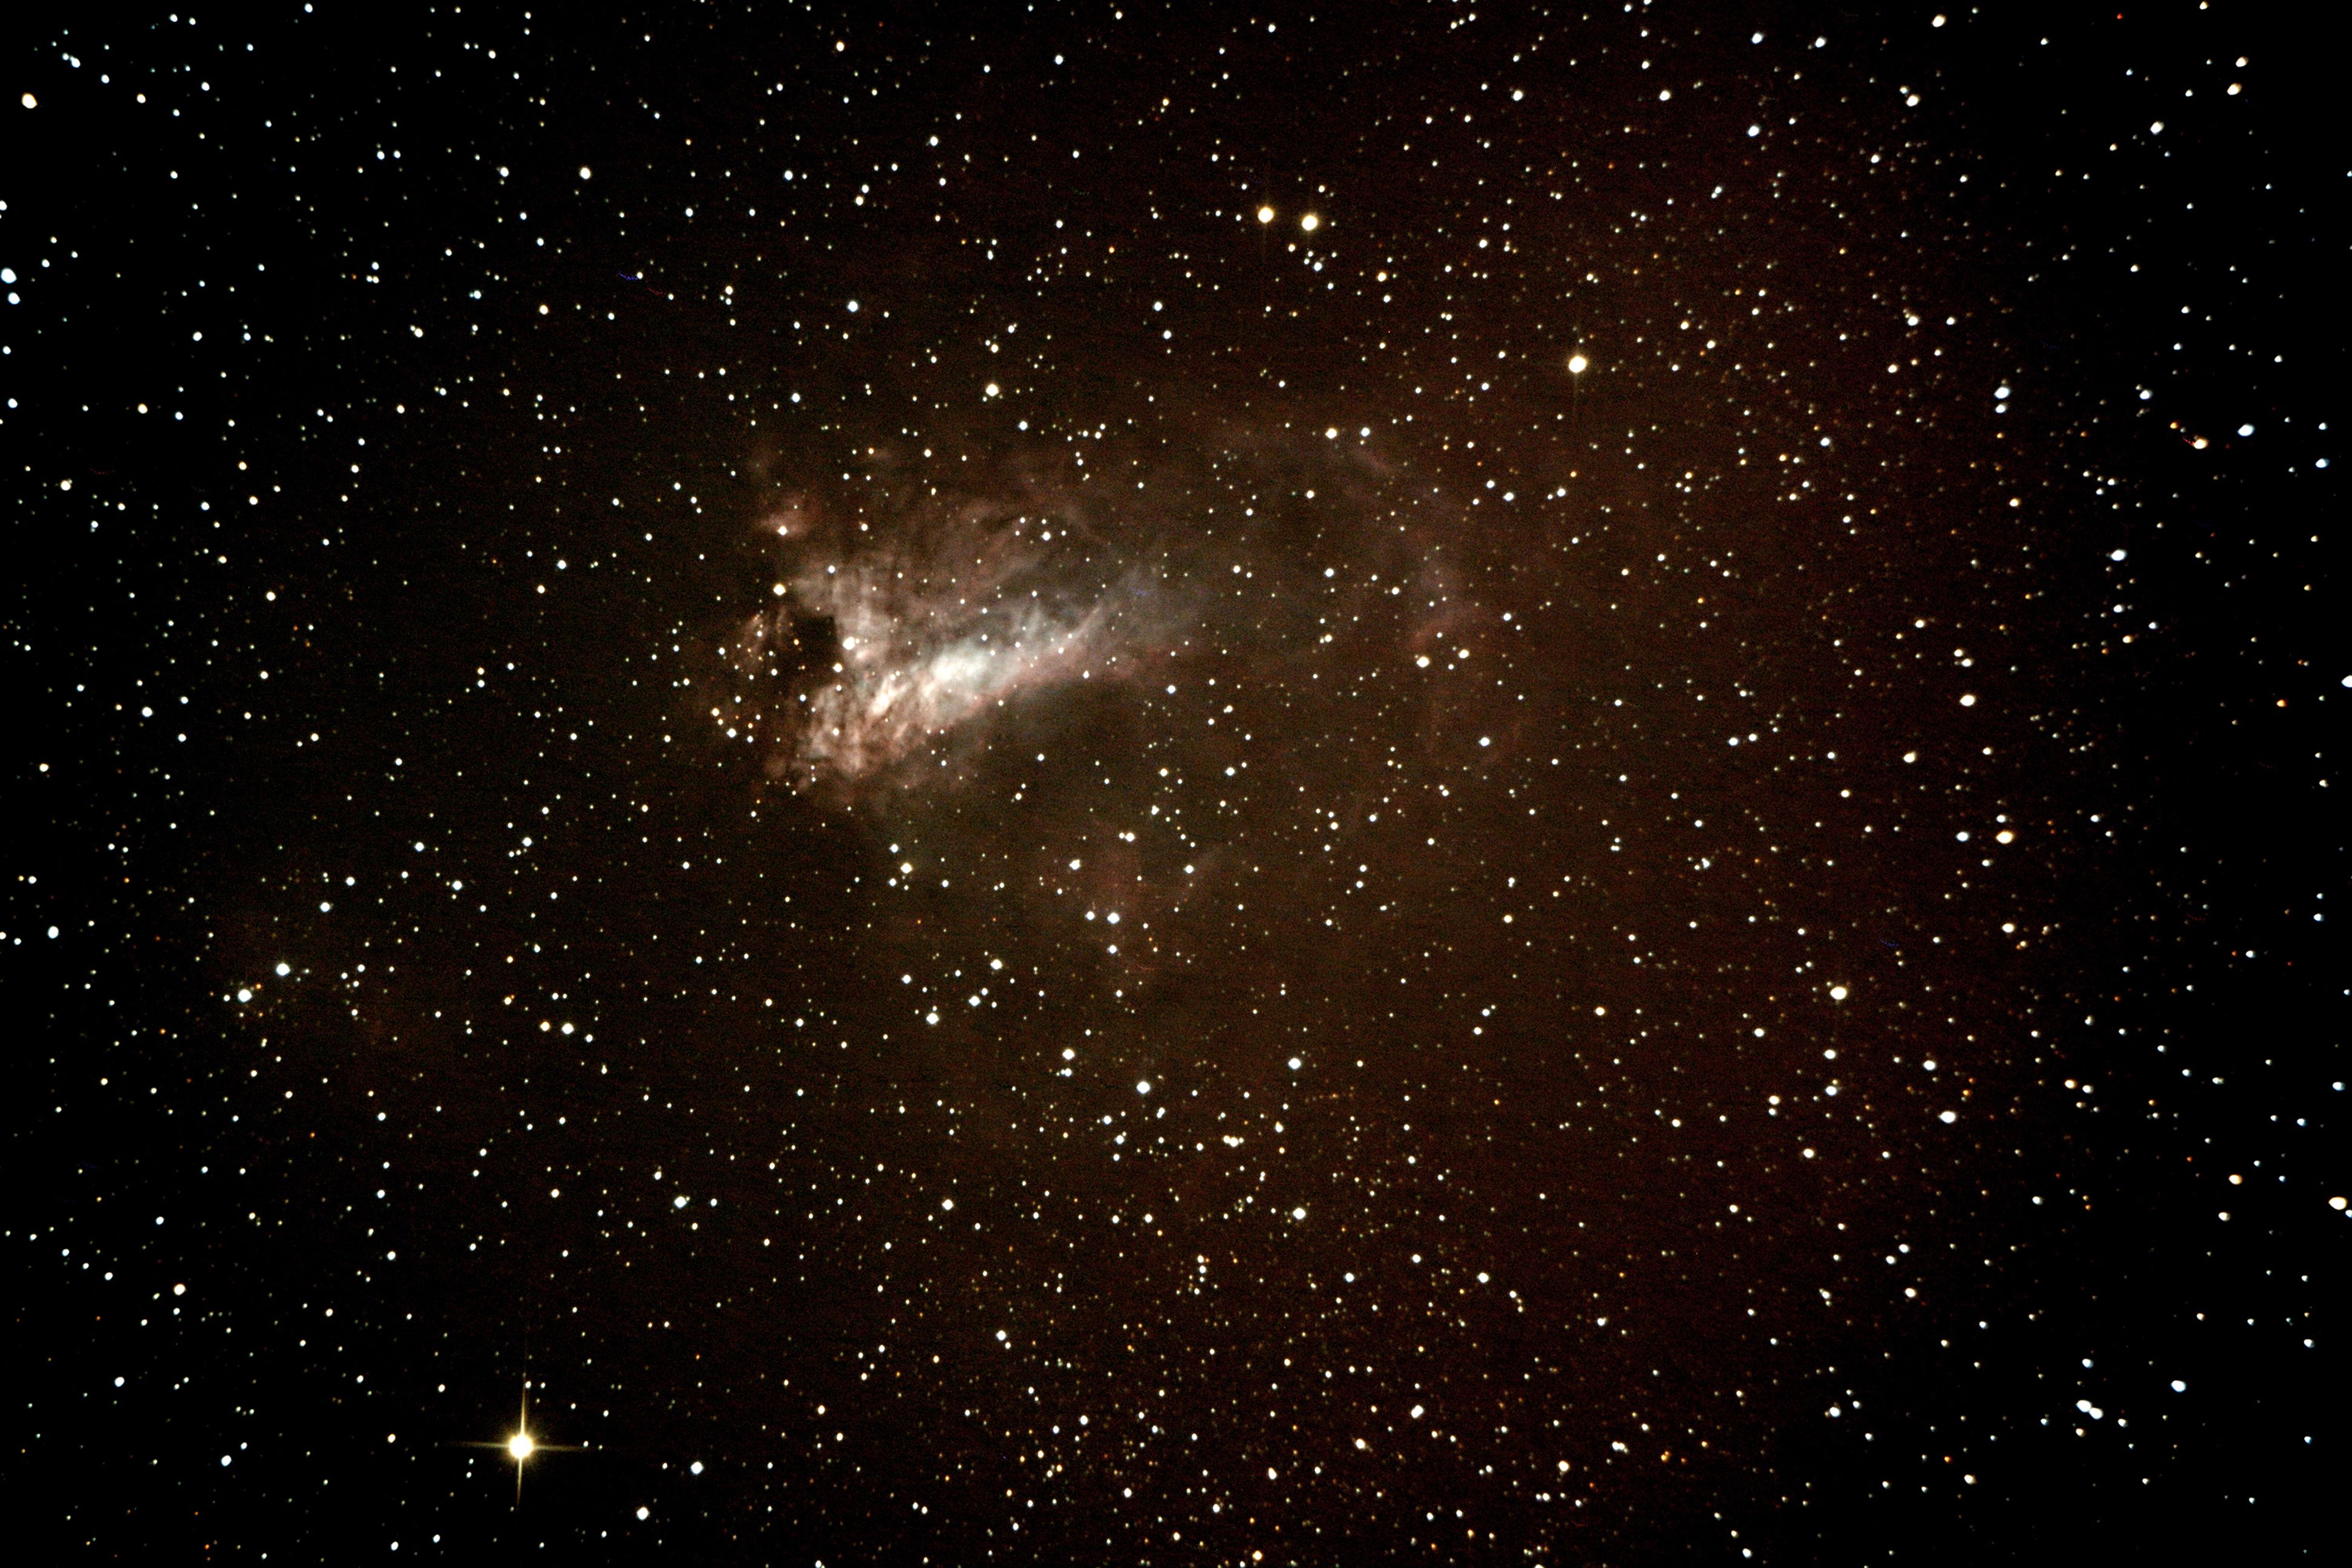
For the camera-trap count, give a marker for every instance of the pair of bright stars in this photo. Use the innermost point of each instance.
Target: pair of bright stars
(1308, 222)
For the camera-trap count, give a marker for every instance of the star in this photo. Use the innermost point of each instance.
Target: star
(520, 1445)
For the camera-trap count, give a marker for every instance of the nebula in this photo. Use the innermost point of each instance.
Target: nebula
(906, 620)
(878, 648)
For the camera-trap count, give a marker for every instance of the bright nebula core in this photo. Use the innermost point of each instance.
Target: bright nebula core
(1183, 786)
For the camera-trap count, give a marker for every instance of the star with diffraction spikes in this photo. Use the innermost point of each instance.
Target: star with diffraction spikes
(521, 1446)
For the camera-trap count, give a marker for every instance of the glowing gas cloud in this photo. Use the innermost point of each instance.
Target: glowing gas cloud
(906, 625)
(887, 641)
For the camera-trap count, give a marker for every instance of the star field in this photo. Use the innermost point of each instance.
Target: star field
(1318, 785)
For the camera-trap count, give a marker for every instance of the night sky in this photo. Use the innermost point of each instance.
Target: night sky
(1420, 783)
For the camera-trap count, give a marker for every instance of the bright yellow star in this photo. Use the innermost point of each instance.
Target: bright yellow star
(522, 1446)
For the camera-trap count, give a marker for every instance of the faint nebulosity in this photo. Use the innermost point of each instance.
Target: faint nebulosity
(1135, 785)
